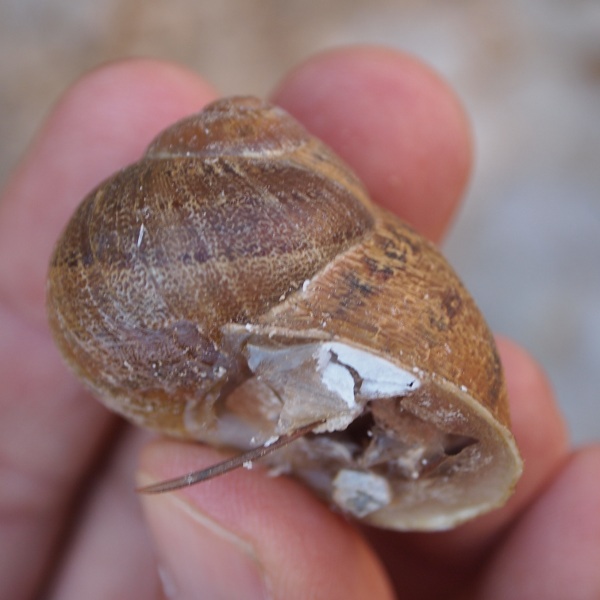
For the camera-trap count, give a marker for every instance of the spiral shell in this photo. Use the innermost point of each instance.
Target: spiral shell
(237, 284)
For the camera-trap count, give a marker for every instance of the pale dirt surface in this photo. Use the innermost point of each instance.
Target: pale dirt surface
(528, 240)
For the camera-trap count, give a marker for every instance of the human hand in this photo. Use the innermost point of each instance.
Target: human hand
(70, 523)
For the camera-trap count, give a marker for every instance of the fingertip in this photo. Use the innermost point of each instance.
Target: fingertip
(300, 548)
(125, 103)
(107, 118)
(394, 121)
(554, 550)
(103, 122)
(537, 422)
(199, 557)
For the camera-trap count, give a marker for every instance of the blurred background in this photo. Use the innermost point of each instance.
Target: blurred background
(527, 242)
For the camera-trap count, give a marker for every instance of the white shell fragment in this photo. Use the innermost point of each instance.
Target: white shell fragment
(360, 493)
(343, 379)
(377, 377)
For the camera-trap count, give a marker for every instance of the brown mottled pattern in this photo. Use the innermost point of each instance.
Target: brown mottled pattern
(396, 295)
(189, 243)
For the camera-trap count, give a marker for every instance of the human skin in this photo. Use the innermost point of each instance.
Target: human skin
(71, 525)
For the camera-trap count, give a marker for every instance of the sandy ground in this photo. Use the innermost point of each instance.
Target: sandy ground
(528, 240)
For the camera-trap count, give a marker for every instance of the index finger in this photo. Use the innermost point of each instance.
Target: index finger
(395, 122)
(50, 433)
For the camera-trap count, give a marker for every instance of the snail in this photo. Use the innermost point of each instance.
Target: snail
(237, 287)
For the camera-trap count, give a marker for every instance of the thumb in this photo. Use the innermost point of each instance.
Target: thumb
(198, 557)
(247, 535)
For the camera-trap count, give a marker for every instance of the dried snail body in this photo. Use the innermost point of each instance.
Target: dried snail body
(236, 285)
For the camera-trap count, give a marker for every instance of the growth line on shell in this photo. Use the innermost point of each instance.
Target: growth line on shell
(227, 465)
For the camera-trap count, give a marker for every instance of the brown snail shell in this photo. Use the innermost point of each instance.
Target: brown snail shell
(237, 284)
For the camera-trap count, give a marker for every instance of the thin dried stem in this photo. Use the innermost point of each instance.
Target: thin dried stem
(227, 465)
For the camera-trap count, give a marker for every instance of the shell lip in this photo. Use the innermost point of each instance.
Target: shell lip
(431, 454)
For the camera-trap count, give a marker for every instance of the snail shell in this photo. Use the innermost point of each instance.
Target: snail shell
(237, 284)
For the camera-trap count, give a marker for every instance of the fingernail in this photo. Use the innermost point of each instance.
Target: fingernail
(198, 557)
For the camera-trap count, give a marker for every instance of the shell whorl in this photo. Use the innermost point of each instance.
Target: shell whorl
(214, 225)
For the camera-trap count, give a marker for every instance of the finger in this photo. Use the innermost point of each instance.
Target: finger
(103, 123)
(49, 430)
(554, 551)
(394, 121)
(541, 436)
(111, 536)
(247, 535)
